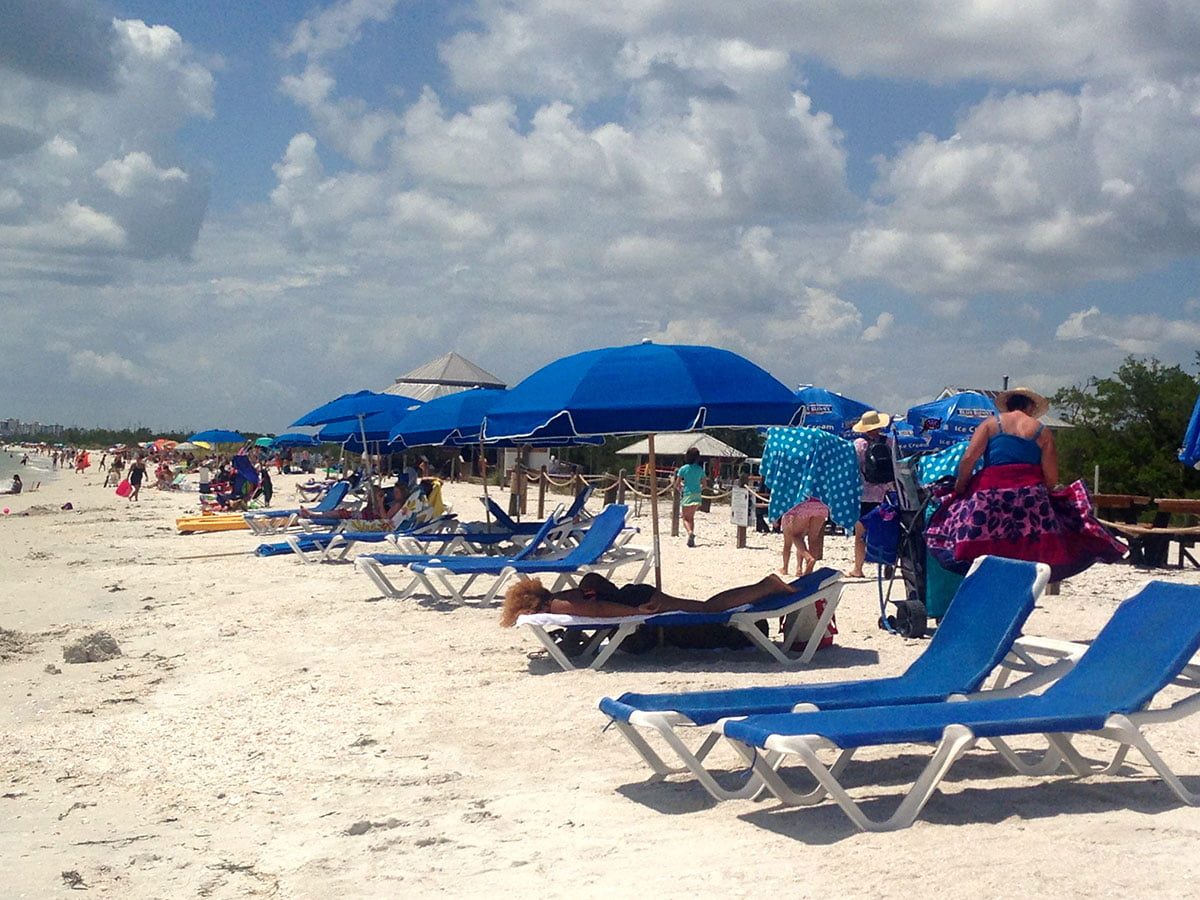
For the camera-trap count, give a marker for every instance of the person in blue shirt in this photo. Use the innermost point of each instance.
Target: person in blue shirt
(689, 480)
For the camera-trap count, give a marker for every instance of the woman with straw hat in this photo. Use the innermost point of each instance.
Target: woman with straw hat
(1012, 507)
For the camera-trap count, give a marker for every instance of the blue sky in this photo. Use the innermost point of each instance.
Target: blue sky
(223, 214)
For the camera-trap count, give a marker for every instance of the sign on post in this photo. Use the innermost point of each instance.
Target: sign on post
(741, 503)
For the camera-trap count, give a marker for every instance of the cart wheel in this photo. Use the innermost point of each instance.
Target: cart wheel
(910, 620)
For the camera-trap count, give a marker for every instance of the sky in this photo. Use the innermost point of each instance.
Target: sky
(224, 214)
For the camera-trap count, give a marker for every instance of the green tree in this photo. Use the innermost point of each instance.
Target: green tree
(1131, 425)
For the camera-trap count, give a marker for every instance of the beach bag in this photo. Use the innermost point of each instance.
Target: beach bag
(809, 616)
(124, 489)
(877, 463)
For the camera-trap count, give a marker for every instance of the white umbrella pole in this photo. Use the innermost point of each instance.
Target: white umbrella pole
(362, 430)
(654, 512)
(483, 469)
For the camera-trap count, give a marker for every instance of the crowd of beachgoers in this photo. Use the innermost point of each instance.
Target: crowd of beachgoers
(276, 728)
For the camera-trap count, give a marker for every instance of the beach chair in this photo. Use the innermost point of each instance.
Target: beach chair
(603, 636)
(603, 547)
(276, 520)
(1146, 645)
(976, 635)
(502, 521)
(335, 546)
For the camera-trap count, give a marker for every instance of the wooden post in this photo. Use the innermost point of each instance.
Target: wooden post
(741, 529)
(1052, 589)
(621, 487)
(675, 499)
(514, 491)
(542, 494)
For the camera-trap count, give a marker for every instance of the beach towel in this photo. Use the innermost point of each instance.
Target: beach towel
(799, 463)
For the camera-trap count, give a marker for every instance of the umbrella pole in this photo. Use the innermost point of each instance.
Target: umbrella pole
(362, 430)
(654, 512)
(483, 468)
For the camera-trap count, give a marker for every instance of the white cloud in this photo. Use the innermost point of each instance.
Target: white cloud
(535, 48)
(1141, 334)
(124, 176)
(1040, 190)
(89, 365)
(878, 331)
(1016, 347)
(337, 26)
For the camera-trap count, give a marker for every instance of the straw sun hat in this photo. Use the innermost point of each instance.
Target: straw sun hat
(872, 420)
(1040, 404)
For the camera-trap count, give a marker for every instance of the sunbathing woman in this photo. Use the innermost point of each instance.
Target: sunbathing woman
(377, 515)
(598, 598)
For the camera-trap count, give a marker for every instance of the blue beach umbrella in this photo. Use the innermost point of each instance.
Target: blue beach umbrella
(951, 419)
(294, 439)
(217, 436)
(1189, 453)
(830, 411)
(641, 389)
(452, 419)
(367, 414)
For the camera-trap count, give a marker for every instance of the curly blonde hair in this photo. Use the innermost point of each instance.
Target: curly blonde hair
(523, 596)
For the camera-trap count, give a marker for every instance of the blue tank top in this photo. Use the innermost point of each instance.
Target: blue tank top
(1004, 449)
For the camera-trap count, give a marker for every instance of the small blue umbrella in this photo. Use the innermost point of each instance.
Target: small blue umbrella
(1189, 453)
(908, 442)
(830, 411)
(951, 419)
(217, 436)
(368, 414)
(641, 389)
(294, 439)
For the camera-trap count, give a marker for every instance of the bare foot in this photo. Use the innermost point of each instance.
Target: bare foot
(855, 575)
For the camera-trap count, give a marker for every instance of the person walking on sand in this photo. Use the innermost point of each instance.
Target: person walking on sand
(689, 481)
(137, 473)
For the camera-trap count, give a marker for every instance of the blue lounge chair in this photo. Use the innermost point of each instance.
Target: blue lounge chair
(321, 546)
(977, 632)
(1145, 646)
(504, 522)
(602, 548)
(604, 636)
(275, 520)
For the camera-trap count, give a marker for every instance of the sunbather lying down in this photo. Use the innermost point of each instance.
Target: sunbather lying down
(598, 598)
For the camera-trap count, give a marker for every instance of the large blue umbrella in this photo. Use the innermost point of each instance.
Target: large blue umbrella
(641, 389)
(217, 436)
(452, 419)
(951, 419)
(457, 419)
(1189, 453)
(830, 411)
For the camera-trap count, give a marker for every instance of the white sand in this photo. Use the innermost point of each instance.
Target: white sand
(276, 730)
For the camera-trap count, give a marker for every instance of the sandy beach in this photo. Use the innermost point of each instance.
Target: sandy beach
(273, 729)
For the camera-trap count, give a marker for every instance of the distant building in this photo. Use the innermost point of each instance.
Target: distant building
(447, 374)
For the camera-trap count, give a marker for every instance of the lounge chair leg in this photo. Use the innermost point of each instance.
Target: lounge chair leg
(1130, 735)
(956, 740)
(552, 648)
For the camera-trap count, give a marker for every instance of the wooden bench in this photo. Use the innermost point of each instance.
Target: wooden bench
(1150, 543)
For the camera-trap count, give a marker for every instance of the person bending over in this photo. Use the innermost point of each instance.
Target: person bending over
(598, 598)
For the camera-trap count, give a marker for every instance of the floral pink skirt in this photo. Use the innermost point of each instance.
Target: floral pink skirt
(1008, 511)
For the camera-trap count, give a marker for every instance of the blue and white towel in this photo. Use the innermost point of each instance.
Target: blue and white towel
(799, 463)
